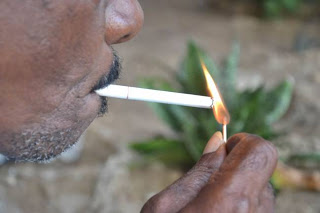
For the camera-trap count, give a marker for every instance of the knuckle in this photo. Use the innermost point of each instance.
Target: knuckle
(272, 151)
(269, 151)
(261, 154)
(203, 169)
(200, 175)
(240, 202)
(263, 147)
(155, 204)
(207, 164)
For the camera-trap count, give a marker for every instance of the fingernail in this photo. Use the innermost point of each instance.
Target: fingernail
(214, 143)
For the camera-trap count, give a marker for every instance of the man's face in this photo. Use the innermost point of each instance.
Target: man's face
(53, 54)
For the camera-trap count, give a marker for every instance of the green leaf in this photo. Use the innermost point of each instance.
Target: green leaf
(305, 157)
(276, 8)
(249, 114)
(207, 126)
(291, 5)
(170, 152)
(213, 69)
(158, 83)
(163, 111)
(278, 101)
(191, 141)
(190, 75)
(272, 8)
(251, 110)
(227, 83)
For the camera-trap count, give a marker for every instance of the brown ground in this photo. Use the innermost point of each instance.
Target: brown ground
(105, 178)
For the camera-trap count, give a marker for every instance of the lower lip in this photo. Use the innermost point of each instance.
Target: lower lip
(91, 107)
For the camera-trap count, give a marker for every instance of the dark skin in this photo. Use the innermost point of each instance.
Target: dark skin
(234, 178)
(53, 54)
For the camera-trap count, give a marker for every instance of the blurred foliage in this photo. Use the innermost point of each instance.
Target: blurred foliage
(276, 8)
(270, 8)
(304, 160)
(252, 110)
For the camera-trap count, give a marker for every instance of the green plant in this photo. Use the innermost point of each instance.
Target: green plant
(252, 110)
(276, 8)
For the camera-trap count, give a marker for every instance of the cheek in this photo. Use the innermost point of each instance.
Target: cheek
(57, 66)
(73, 112)
(78, 52)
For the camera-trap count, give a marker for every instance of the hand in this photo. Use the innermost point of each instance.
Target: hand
(228, 178)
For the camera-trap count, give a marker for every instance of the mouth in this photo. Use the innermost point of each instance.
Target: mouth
(106, 80)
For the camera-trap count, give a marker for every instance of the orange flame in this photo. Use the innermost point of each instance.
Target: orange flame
(220, 111)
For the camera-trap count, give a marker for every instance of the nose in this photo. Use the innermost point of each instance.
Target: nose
(124, 19)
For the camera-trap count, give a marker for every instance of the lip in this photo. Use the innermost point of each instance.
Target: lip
(95, 89)
(105, 81)
(111, 76)
(101, 86)
(99, 103)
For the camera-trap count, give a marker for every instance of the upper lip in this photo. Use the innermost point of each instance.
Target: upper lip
(111, 76)
(106, 80)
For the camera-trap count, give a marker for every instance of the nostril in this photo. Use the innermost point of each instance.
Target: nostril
(126, 36)
(123, 21)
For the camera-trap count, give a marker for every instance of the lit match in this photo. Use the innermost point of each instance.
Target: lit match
(165, 97)
(220, 110)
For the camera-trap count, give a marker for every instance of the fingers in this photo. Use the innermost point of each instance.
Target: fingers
(241, 178)
(181, 192)
(250, 163)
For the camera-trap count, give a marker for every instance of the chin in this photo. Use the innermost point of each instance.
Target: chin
(33, 145)
(51, 134)
(42, 142)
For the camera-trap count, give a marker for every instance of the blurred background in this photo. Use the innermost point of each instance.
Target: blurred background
(279, 41)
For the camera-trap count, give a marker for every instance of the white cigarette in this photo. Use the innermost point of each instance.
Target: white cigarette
(140, 94)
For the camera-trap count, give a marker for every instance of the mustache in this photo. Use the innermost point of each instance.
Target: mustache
(106, 80)
(113, 74)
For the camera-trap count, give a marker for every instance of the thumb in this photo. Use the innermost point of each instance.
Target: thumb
(186, 188)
